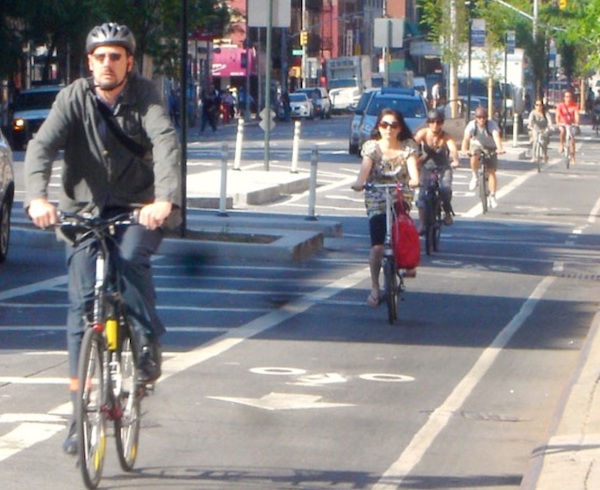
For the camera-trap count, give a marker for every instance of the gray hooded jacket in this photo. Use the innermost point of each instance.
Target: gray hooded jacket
(99, 170)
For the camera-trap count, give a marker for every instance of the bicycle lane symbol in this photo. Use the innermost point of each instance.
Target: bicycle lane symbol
(294, 401)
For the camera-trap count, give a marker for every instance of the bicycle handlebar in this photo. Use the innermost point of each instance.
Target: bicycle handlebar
(94, 225)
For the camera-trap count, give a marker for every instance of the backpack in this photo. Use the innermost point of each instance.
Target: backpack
(405, 237)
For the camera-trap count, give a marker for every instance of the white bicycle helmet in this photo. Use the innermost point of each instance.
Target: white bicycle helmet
(110, 34)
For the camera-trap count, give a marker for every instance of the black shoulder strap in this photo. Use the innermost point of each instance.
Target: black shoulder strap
(132, 145)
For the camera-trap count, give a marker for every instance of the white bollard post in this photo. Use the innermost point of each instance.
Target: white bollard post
(312, 185)
(295, 147)
(515, 129)
(239, 143)
(223, 195)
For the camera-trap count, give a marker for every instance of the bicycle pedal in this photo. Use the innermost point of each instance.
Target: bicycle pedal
(148, 389)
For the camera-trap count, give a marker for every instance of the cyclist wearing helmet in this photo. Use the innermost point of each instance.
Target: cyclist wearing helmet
(482, 133)
(121, 153)
(437, 147)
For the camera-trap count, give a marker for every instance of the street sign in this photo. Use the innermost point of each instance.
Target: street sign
(266, 116)
(297, 52)
(258, 13)
(388, 33)
(478, 33)
(510, 42)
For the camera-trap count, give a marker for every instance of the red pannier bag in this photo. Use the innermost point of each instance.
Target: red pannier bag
(405, 237)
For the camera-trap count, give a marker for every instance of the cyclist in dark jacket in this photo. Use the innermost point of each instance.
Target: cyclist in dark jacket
(120, 153)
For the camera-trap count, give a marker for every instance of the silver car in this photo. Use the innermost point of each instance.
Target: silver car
(7, 194)
(301, 105)
(409, 102)
(359, 112)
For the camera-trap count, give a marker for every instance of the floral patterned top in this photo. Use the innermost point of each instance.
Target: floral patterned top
(385, 171)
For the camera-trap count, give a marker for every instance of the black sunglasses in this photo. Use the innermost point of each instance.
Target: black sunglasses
(100, 57)
(385, 125)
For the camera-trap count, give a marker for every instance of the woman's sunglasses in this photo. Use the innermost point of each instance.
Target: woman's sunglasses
(385, 125)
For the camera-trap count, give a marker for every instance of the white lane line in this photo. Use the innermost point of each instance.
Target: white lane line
(235, 336)
(24, 436)
(507, 189)
(437, 421)
(33, 288)
(27, 434)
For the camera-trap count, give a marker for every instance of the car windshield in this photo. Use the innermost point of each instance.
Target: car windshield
(298, 97)
(311, 92)
(341, 83)
(28, 101)
(407, 107)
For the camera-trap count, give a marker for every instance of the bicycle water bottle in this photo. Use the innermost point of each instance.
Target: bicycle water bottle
(111, 333)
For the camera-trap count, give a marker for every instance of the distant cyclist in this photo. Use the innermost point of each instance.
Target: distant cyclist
(567, 114)
(539, 122)
(438, 147)
(482, 133)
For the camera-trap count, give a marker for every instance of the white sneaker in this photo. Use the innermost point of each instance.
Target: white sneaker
(473, 183)
(493, 202)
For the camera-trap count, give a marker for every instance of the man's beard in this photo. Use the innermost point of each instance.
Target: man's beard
(109, 85)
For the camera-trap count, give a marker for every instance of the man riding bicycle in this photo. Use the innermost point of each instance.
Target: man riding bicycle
(438, 147)
(567, 114)
(483, 134)
(121, 153)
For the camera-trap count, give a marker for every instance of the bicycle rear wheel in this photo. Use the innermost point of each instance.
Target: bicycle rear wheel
(92, 400)
(128, 398)
(483, 191)
(390, 280)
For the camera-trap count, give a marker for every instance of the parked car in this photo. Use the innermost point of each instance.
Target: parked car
(30, 110)
(7, 194)
(409, 102)
(359, 111)
(321, 100)
(301, 105)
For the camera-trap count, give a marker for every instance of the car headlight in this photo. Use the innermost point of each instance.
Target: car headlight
(19, 124)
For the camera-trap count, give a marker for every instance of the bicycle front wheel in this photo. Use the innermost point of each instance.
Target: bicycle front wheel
(483, 191)
(538, 153)
(92, 400)
(128, 398)
(390, 279)
(429, 225)
(437, 225)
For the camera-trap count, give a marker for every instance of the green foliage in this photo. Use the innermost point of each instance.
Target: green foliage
(61, 23)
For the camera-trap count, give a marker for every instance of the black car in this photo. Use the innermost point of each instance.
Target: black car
(30, 110)
(7, 194)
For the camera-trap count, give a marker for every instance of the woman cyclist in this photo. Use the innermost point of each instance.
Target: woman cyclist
(389, 156)
(438, 147)
(539, 122)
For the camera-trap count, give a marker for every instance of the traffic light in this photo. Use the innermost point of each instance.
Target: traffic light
(562, 4)
(303, 38)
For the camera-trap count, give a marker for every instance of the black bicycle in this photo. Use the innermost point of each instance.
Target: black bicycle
(393, 277)
(485, 157)
(433, 209)
(108, 388)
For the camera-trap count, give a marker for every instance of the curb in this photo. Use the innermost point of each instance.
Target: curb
(568, 458)
(298, 241)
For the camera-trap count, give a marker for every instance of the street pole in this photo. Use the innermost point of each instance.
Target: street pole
(469, 41)
(267, 110)
(304, 61)
(183, 120)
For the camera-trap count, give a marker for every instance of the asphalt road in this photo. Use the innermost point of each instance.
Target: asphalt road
(278, 376)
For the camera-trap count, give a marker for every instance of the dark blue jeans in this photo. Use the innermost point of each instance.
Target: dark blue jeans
(132, 250)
